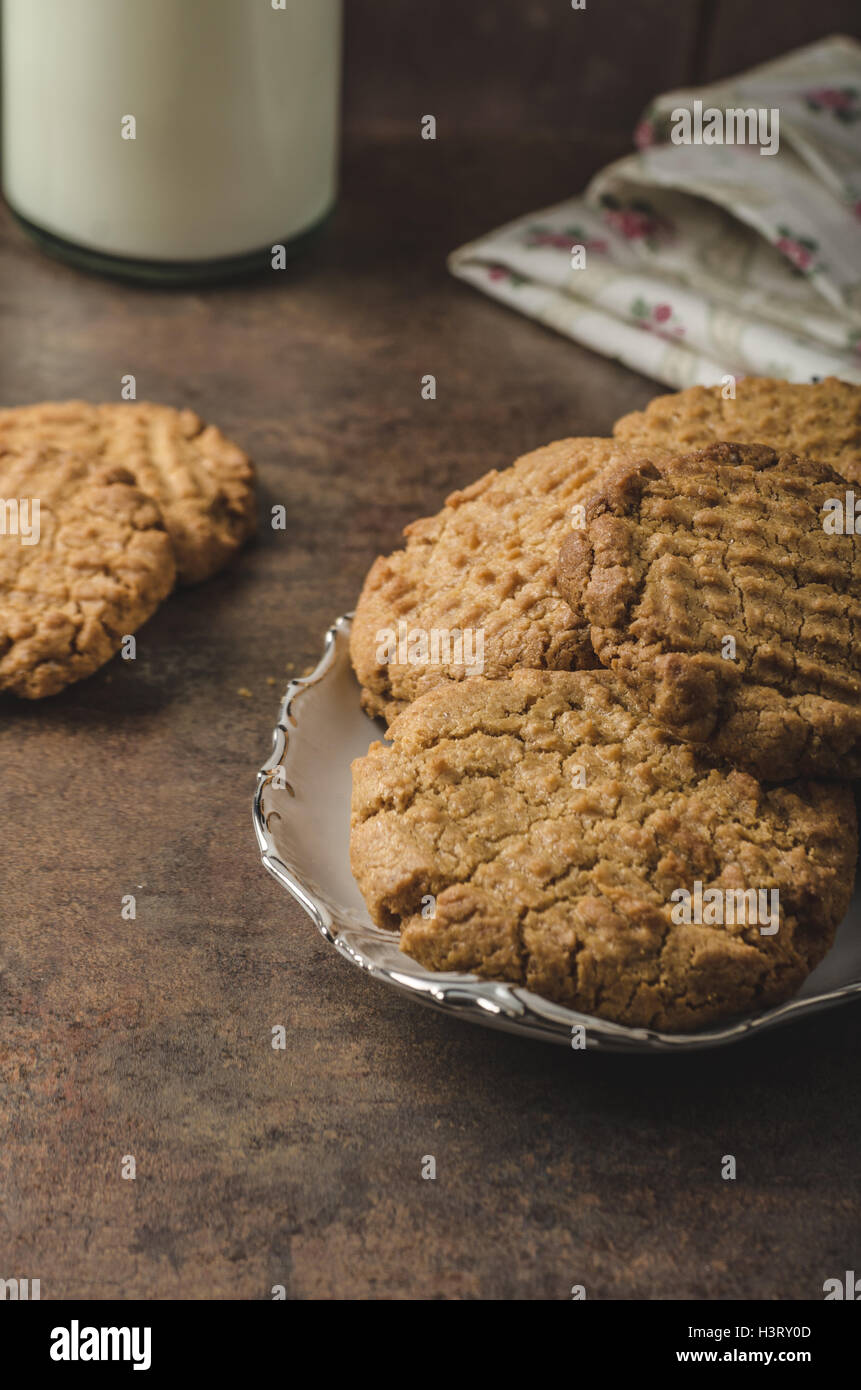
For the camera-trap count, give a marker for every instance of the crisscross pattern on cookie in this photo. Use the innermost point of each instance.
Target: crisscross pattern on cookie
(100, 565)
(486, 562)
(203, 483)
(712, 587)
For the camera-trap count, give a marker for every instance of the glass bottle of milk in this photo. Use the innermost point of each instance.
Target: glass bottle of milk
(171, 139)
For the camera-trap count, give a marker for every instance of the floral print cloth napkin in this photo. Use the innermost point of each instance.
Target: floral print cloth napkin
(696, 261)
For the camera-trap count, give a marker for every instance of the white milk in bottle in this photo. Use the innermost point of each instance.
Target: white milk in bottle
(173, 135)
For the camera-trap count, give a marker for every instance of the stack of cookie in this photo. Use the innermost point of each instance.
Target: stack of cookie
(104, 508)
(623, 682)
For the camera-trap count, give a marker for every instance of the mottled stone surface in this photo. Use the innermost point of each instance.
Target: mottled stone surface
(152, 1037)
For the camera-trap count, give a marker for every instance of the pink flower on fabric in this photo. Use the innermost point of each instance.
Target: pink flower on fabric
(843, 103)
(795, 252)
(831, 97)
(649, 318)
(502, 272)
(632, 225)
(636, 222)
(801, 251)
(644, 135)
(557, 239)
(563, 241)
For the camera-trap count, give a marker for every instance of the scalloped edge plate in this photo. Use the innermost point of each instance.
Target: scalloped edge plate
(302, 823)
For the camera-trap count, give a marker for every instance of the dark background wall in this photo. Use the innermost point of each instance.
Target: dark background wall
(516, 64)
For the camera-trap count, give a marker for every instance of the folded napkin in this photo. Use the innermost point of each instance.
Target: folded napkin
(692, 261)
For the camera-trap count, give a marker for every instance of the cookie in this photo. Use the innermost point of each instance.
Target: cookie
(202, 482)
(710, 585)
(821, 421)
(474, 590)
(536, 830)
(76, 577)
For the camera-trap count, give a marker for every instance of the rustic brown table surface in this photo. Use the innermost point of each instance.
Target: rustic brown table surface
(152, 1037)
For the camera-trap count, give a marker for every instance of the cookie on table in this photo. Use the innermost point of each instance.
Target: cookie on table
(94, 566)
(820, 420)
(203, 483)
(535, 830)
(710, 585)
(483, 567)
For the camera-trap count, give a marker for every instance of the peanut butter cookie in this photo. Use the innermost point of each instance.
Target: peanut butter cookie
(202, 482)
(534, 829)
(821, 420)
(714, 588)
(85, 558)
(474, 591)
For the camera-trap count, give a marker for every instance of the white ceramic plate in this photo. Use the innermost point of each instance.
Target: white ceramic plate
(302, 820)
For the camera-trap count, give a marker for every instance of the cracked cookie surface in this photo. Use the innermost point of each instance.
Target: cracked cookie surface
(709, 585)
(203, 483)
(551, 824)
(485, 563)
(821, 420)
(102, 563)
